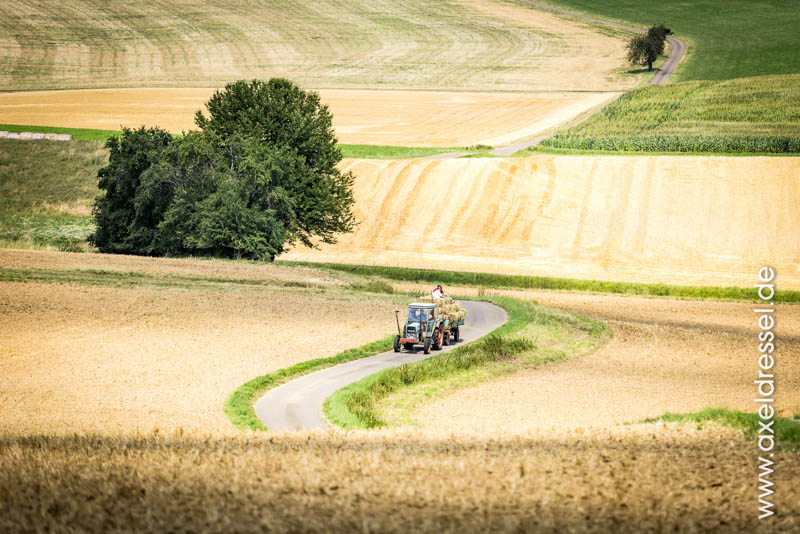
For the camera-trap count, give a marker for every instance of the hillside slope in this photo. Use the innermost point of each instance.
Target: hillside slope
(676, 220)
(744, 115)
(728, 38)
(457, 44)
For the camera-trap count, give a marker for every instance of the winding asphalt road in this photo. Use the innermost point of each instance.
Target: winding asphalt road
(676, 52)
(297, 404)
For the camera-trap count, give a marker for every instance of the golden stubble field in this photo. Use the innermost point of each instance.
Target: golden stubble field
(452, 44)
(666, 355)
(679, 220)
(112, 420)
(650, 479)
(128, 359)
(360, 116)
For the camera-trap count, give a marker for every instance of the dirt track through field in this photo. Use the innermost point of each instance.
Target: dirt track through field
(664, 219)
(666, 355)
(372, 117)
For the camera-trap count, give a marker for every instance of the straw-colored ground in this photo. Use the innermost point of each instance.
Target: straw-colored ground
(135, 357)
(112, 418)
(457, 44)
(666, 355)
(51, 260)
(652, 479)
(679, 220)
(373, 117)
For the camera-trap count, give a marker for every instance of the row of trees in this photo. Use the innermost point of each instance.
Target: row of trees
(258, 175)
(644, 48)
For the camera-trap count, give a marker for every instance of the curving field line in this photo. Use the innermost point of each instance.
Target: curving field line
(677, 50)
(680, 220)
(297, 404)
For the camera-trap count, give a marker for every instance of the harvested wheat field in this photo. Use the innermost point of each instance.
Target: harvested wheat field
(679, 220)
(235, 270)
(136, 354)
(112, 401)
(654, 478)
(374, 117)
(455, 44)
(666, 355)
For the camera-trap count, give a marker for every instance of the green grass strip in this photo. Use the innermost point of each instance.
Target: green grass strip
(506, 281)
(355, 406)
(348, 151)
(397, 152)
(78, 134)
(132, 278)
(239, 406)
(787, 431)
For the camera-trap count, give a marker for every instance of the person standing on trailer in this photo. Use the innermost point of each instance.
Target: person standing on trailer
(438, 292)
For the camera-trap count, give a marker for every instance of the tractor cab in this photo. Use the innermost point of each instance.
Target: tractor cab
(419, 325)
(420, 313)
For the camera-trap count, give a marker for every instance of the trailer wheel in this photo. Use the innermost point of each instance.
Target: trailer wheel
(456, 333)
(446, 338)
(427, 348)
(396, 345)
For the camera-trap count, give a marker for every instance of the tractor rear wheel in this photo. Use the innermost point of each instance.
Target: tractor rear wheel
(396, 345)
(427, 348)
(438, 339)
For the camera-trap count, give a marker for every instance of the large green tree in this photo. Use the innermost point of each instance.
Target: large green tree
(259, 174)
(130, 156)
(280, 114)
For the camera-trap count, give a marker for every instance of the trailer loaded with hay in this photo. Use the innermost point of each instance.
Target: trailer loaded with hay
(432, 323)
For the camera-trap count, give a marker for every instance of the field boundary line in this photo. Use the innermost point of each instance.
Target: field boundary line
(677, 51)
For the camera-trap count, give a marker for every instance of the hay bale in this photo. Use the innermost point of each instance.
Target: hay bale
(3, 134)
(13, 135)
(51, 137)
(37, 136)
(26, 136)
(64, 137)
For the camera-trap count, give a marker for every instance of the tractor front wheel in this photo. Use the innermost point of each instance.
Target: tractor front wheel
(396, 345)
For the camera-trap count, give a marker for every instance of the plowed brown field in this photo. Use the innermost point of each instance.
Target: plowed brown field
(401, 118)
(667, 219)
